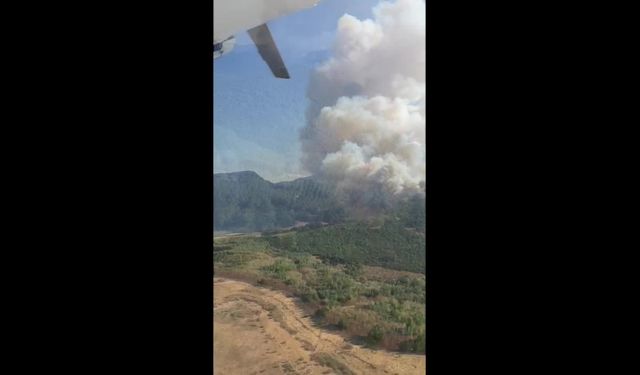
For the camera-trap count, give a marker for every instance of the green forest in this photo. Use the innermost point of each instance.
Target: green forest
(245, 202)
(388, 244)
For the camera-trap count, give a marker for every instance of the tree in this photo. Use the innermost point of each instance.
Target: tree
(353, 269)
(375, 336)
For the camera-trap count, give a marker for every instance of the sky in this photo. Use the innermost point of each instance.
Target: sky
(257, 117)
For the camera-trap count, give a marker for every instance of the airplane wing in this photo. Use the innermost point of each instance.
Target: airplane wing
(267, 49)
(233, 16)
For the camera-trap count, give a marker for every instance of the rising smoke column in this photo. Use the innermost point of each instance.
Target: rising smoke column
(365, 126)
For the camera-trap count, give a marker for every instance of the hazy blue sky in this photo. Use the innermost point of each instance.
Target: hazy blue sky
(256, 116)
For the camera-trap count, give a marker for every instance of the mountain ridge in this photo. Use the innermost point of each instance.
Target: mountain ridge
(246, 202)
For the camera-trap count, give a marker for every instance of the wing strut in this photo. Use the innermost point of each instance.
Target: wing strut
(267, 49)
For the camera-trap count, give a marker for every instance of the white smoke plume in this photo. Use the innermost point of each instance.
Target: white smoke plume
(366, 122)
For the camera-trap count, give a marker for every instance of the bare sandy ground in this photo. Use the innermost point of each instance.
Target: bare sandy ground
(260, 331)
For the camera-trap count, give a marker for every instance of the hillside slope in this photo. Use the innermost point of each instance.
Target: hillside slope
(244, 201)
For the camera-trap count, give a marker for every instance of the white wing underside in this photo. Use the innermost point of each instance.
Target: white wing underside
(233, 16)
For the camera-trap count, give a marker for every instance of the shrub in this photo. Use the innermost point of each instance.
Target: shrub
(321, 312)
(375, 336)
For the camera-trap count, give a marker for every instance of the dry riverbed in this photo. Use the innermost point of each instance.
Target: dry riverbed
(260, 331)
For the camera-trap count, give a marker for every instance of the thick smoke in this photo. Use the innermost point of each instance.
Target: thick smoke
(366, 122)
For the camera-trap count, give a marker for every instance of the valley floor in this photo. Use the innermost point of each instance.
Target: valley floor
(261, 331)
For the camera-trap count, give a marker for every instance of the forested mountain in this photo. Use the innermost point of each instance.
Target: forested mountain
(244, 201)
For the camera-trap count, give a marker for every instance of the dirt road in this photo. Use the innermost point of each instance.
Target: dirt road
(260, 331)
